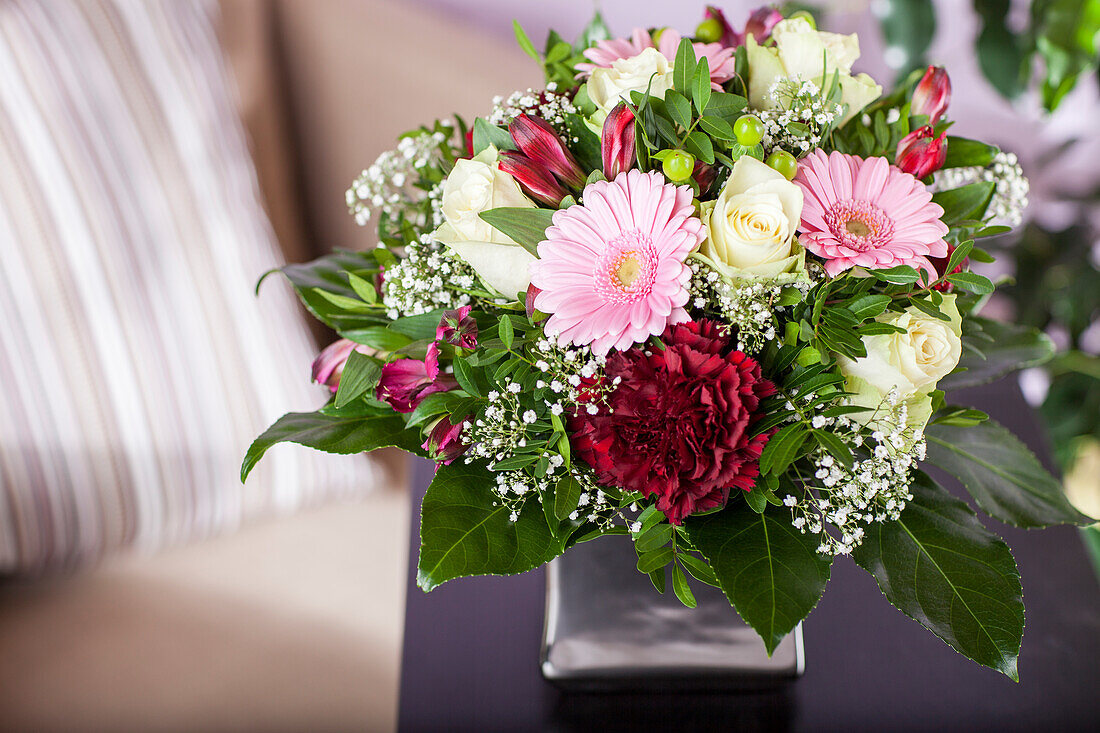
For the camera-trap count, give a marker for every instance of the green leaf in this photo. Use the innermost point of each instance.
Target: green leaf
(525, 42)
(771, 573)
(909, 26)
(527, 227)
(698, 569)
(943, 569)
(868, 306)
(699, 145)
(464, 531)
(355, 305)
(654, 560)
(360, 375)
(377, 337)
(567, 495)
(700, 92)
(965, 153)
(679, 108)
(653, 538)
(757, 501)
(507, 333)
(782, 448)
(464, 373)
(836, 447)
(717, 128)
(972, 281)
(965, 202)
(486, 135)
(683, 69)
(1000, 53)
(1003, 476)
(900, 275)
(356, 433)
(726, 106)
(1005, 348)
(363, 288)
(680, 586)
(419, 328)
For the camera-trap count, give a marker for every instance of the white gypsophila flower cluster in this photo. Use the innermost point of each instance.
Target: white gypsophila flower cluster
(801, 119)
(501, 428)
(387, 185)
(514, 488)
(429, 277)
(1011, 187)
(571, 375)
(840, 501)
(748, 306)
(549, 105)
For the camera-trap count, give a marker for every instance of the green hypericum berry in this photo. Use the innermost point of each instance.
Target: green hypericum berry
(783, 162)
(749, 130)
(678, 166)
(709, 31)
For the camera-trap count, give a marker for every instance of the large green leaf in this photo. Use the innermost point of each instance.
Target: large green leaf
(963, 153)
(329, 274)
(771, 573)
(355, 430)
(943, 569)
(996, 349)
(1003, 476)
(965, 202)
(526, 226)
(465, 530)
(908, 26)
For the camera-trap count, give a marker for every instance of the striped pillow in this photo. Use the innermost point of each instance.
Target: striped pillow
(136, 364)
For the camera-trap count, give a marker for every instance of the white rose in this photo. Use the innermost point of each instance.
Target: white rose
(912, 362)
(475, 186)
(648, 70)
(1082, 478)
(802, 53)
(751, 225)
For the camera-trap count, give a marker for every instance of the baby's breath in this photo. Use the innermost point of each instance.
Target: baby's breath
(1011, 187)
(429, 277)
(801, 118)
(387, 186)
(549, 105)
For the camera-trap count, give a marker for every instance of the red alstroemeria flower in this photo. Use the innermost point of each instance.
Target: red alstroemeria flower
(457, 328)
(406, 382)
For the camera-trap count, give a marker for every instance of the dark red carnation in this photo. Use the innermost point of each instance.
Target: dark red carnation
(679, 422)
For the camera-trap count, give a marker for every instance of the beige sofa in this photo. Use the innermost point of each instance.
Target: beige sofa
(293, 624)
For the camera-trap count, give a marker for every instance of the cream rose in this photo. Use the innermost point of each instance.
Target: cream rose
(475, 186)
(802, 53)
(751, 225)
(648, 70)
(912, 362)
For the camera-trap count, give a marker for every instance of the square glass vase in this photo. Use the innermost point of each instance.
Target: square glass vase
(608, 629)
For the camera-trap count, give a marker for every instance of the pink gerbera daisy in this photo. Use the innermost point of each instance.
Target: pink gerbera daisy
(867, 213)
(612, 271)
(720, 59)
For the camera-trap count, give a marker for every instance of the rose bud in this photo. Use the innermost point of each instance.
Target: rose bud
(329, 364)
(941, 262)
(617, 141)
(406, 382)
(457, 328)
(932, 94)
(704, 175)
(535, 181)
(538, 141)
(444, 442)
(920, 154)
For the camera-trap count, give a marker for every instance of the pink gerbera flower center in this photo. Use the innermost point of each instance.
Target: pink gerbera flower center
(626, 271)
(859, 224)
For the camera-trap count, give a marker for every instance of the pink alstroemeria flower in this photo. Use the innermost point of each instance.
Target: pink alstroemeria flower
(540, 144)
(406, 382)
(617, 141)
(444, 441)
(921, 153)
(720, 59)
(457, 328)
(759, 25)
(329, 364)
(932, 94)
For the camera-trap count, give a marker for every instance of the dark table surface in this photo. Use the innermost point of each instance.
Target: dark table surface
(471, 651)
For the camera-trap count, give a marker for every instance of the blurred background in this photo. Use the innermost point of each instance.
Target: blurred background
(157, 157)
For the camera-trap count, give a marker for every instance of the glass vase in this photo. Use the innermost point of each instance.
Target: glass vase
(606, 628)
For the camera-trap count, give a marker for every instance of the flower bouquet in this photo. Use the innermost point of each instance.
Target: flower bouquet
(705, 292)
